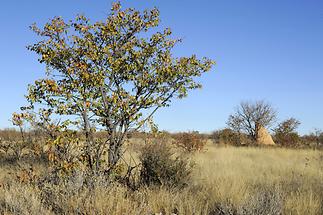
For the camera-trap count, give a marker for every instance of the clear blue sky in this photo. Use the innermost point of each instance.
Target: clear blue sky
(270, 50)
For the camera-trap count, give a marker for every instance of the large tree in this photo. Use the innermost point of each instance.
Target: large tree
(250, 116)
(112, 75)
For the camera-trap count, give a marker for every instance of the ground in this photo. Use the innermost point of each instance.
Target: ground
(226, 180)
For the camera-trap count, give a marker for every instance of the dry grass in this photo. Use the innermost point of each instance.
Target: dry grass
(226, 180)
(235, 176)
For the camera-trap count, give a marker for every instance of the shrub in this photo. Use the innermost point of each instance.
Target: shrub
(285, 133)
(289, 140)
(190, 142)
(230, 137)
(15, 150)
(314, 139)
(161, 167)
(226, 136)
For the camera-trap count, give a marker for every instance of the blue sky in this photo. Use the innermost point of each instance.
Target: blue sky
(270, 50)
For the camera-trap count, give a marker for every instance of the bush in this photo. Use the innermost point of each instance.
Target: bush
(314, 139)
(285, 133)
(230, 137)
(161, 167)
(288, 140)
(190, 142)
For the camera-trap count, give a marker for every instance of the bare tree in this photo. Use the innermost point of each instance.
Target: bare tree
(250, 116)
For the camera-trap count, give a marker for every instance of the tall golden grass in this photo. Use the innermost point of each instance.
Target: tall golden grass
(234, 176)
(226, 180)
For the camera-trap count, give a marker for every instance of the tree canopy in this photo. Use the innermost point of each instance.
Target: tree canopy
(112, 74)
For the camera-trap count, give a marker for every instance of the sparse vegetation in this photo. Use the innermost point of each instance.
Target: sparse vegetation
(189, 141)
(86, 142)
(285, 134)
(225, 180)
(161, 167)
(230, 137)
(314, 139)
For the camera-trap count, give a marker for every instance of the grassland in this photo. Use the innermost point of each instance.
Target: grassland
(226, 180)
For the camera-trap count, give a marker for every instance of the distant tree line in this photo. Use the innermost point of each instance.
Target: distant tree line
(244, 125)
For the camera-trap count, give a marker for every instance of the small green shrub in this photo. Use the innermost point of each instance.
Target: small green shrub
(161, 167)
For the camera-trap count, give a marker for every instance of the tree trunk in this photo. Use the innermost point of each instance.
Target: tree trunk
(114, 153)
(88, 137)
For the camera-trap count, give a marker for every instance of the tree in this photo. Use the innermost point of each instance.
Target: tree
(288, 126)
(249, 117)
(285, 133)
(111, 75)
(314, 138)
